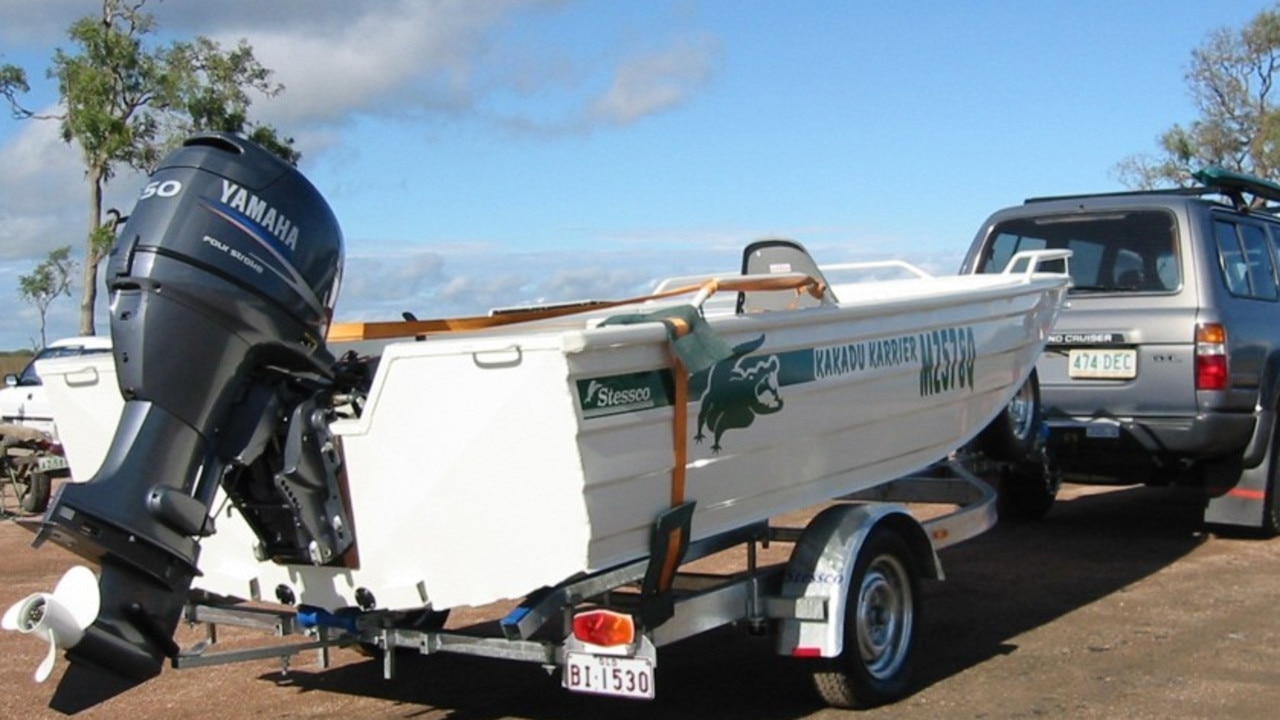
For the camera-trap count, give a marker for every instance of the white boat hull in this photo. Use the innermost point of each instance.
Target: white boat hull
(488, 464)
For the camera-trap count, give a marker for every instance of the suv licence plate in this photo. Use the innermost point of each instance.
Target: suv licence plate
(1112, 364)
(609, 675)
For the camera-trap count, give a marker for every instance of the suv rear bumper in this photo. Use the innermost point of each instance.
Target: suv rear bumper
(1166, 439)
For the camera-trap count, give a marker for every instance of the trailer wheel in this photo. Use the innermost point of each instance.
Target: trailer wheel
(1013, 435)
(881, 614)
(33, 495)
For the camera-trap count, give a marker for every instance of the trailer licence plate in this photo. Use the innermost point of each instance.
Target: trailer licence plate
(1116, 364)
(609, 675)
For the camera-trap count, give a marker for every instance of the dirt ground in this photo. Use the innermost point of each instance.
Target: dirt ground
(1115, 605)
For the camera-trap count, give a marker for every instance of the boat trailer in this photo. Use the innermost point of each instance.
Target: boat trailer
(845, 600)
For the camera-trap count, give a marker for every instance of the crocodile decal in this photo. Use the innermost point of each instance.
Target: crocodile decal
(737, 390)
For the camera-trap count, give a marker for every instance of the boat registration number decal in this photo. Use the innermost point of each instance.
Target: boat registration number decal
(946, 358)
(1102, 364)
(609, 675)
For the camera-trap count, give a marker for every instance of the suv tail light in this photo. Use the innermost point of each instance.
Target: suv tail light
(1211, 357)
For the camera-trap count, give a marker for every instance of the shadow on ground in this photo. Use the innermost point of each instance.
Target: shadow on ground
(1021, 576)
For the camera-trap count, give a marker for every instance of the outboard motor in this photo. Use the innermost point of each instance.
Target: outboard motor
(222, 286)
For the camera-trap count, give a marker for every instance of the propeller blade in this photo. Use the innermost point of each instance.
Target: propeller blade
(61, 617)
(46, 666)
(78, 592)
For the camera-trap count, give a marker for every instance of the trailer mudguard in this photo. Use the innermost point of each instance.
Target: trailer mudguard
(819, 572)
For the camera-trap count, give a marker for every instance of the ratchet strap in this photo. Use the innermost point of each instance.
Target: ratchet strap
(694, 347)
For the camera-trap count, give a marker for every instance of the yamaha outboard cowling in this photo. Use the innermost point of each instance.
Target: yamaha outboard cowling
(222, 285)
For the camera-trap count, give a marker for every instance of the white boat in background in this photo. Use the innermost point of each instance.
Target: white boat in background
(486, 463)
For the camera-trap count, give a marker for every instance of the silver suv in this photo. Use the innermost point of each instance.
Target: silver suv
(1165, 365)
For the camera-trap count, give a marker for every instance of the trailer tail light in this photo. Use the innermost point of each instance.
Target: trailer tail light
(604, 627)
(1211, 357)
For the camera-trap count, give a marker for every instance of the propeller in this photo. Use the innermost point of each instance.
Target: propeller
(61, 616)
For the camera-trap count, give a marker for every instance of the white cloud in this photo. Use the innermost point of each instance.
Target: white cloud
(374, 281)
(42, 178)
(39, 24)
(384, 63)
(451, 59)
(348, 60)
(656, 82)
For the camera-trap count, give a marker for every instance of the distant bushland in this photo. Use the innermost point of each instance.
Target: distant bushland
(12, 361)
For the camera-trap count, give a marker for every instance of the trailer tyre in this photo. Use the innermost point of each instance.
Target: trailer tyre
(1015, 433)
(33, 495)
(881, 615)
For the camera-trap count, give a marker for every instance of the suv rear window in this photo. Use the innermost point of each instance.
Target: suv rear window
(1125, 251)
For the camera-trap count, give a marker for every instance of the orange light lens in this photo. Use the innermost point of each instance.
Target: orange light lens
(1211, 333)
(604, 627)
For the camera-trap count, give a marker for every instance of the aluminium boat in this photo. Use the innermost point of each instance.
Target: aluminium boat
(487, 462)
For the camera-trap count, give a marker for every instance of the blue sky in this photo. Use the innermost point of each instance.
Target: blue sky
(486, 153)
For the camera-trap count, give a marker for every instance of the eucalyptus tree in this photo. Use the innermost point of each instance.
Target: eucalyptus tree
(47, 282)
(125, 101)
(1232, 81)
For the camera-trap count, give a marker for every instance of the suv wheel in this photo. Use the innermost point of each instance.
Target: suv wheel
(1029, 488)
(1014, 434)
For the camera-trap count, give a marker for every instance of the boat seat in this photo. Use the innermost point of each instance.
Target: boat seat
(779, 255)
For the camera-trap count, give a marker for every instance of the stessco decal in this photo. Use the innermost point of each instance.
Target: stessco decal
(734, 392)
(603, 396)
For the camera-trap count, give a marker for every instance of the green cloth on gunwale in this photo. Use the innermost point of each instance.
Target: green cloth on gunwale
(698, 349)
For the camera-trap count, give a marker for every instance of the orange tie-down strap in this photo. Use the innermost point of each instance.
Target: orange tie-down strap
(680, 422)
(383, 330)
(680, 458)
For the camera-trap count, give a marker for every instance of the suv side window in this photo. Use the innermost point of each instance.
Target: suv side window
(1245, 259)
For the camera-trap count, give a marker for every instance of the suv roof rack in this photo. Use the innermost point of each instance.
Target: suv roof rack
(1214, 180)
(1234, 185)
